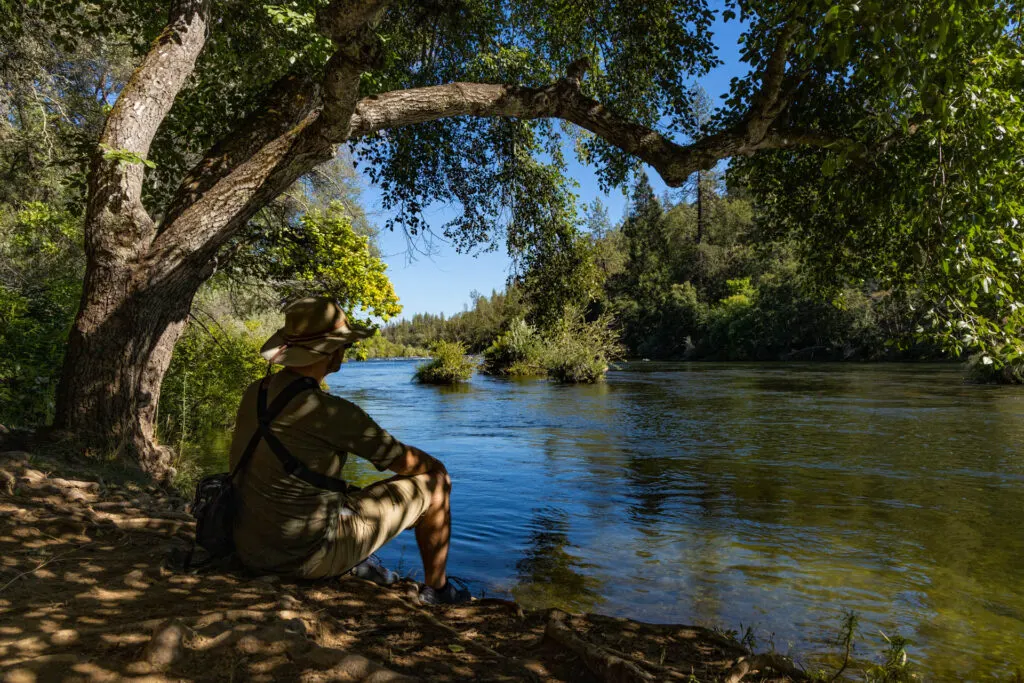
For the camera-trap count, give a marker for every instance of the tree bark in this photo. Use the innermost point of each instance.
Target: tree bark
(118, 352)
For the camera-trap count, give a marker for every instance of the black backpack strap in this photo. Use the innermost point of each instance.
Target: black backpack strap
(250, 448)
(289, 392)
(291, 464)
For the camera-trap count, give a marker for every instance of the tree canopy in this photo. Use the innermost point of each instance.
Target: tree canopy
(821, 73)
(936, 208)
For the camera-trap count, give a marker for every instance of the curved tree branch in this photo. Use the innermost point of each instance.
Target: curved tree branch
(291, 134)
(291, 100)
(564, 100)
(674, 162)
(300, 129)
(143, 104)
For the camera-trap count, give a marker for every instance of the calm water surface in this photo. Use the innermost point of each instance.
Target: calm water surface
(772, 496)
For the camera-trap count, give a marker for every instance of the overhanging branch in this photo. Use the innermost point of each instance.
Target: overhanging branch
(292, 99)
(674, 162)
(564, 100)
(282, 142)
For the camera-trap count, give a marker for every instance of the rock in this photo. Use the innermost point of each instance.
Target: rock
(289, 602)
(7, 482)
(90, 486)
(32, 477)
(165, 646)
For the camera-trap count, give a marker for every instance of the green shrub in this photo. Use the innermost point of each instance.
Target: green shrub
(732, 324)
(210, 369)
(578, 352)
(448, 365)
(518, 352)
(40, 285)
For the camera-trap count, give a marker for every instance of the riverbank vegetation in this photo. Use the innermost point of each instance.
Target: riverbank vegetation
(448, 364)
(516, 352)
(573, 351)
(688, 278)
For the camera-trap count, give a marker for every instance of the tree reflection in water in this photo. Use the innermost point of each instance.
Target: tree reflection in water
(549, 573)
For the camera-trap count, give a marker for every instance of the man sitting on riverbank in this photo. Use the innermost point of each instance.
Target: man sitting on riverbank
(294, 514)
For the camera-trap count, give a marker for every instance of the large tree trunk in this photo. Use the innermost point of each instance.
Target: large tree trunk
(118, 351)
(132, 306)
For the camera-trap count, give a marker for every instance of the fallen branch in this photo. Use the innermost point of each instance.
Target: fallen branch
(41, 565)
(606, 666)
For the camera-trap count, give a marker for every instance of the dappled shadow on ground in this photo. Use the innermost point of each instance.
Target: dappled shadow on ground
(87, 593)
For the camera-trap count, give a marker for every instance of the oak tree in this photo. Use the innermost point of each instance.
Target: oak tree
(450, 101)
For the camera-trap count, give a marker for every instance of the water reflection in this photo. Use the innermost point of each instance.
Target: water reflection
(769, 495)
(550, 572)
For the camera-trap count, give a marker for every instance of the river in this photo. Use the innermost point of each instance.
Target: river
(770, 496)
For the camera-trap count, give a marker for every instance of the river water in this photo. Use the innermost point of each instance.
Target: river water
(771, 496)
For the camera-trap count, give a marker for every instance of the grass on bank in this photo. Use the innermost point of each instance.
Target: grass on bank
(448, 365)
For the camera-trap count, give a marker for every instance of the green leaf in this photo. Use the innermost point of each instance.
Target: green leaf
(828, 168)
(124, 156)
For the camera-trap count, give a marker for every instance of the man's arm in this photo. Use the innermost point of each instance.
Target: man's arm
(414, 461)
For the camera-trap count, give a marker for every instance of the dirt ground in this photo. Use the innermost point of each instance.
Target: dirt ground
(90, 591)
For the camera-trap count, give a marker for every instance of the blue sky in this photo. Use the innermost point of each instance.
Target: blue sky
(440, 281)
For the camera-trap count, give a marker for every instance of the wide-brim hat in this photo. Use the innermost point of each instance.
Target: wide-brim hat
(314, 328)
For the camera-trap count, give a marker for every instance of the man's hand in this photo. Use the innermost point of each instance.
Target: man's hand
(414, 461)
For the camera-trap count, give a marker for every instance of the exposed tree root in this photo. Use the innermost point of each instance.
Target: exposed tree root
(606, 666)
(662, 671)
(458, 635)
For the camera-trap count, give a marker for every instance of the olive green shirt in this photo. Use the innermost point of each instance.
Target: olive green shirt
(281, 521)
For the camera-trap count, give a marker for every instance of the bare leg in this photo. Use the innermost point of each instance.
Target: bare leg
(434, 531)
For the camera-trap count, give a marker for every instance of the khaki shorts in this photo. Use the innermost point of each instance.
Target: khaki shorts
(371, 517)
